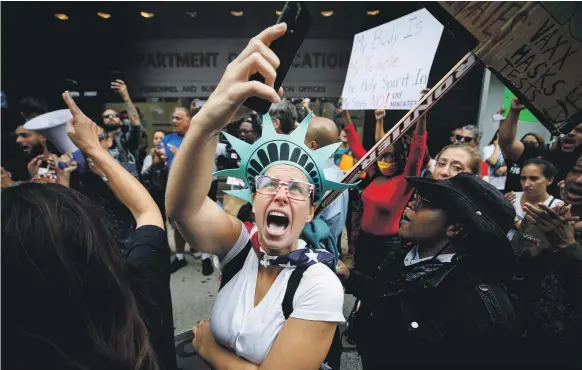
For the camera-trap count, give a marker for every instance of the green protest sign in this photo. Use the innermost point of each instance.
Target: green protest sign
(524, 116)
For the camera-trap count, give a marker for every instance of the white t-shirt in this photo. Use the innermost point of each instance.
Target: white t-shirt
(550, 202)
(497, 181)
(251, 331)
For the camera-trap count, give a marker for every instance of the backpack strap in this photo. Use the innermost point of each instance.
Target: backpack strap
(235, 265)
(333, 357)
(292, 286)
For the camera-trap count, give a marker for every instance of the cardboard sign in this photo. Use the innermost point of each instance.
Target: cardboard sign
(534, 48)
(390, 64)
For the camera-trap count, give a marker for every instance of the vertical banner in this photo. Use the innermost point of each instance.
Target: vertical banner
(390, 64)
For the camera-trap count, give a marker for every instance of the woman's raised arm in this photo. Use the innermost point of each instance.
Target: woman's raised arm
(202, 222)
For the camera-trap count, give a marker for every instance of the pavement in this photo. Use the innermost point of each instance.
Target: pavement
(193, 296)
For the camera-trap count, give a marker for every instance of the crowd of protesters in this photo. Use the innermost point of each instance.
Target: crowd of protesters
(467, 259)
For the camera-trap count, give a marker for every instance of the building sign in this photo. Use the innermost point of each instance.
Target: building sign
(193, 67)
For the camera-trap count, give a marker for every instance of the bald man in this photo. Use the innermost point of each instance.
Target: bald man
(322, 132)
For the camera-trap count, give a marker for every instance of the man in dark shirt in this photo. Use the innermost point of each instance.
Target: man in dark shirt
(563, 155)
(126, 138)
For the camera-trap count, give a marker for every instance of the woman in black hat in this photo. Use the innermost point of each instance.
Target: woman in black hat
(442, 301)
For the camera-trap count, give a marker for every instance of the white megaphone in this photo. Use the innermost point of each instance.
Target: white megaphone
(53, 126)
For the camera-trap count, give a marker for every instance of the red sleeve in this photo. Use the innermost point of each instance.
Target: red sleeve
(356, 145)
(416, 155)
(484, 169)
(354, 141)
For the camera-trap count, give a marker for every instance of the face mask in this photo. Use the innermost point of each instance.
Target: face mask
(385, 166)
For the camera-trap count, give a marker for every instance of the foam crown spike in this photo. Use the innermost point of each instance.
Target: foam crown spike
(275, 149)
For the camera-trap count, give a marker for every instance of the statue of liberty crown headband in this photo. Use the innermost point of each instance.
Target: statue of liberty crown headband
(274, 149)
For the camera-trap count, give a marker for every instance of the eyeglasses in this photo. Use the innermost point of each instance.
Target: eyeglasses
(297, 190)
(113, 115)
(423, 203)
(102, 137)
(464, 139)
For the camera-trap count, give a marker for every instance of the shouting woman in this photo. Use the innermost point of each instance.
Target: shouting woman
(385, 198)
(277, 294)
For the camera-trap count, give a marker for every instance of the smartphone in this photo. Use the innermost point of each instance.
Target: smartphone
(298, 19)
(44, 169)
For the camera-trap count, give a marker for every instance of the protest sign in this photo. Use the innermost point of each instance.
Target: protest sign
(390, 64)
(534, 48)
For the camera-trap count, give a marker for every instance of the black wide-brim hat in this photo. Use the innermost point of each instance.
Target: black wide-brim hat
(476, 204)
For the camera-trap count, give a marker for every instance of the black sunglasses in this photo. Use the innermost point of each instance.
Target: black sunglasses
(464, 139)
(110, 116)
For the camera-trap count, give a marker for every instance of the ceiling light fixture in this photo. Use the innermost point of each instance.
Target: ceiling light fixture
(62, 17)
(147, 15)
(373, 12)
(236, 13)
(327, 13)
(278, 12)
(104, 15)
(192, 14)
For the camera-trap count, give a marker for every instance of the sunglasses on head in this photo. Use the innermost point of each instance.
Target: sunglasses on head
(464, 139)
(113, 115)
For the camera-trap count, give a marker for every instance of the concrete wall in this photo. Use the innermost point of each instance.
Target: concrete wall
(491, 100)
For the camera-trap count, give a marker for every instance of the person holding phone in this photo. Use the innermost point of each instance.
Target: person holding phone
(253, 325)
(159, 135)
